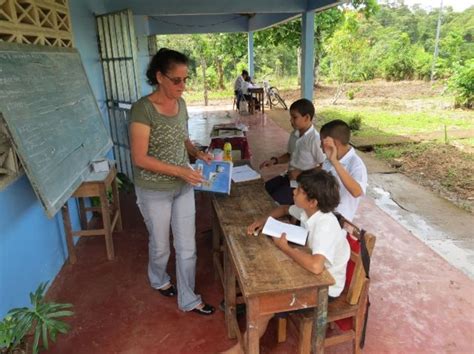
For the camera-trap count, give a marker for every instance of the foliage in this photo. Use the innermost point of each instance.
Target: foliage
(355, 122)
(40, 319)
(462, 83)
(422, 63)
(7, 333)
(357, 41)
(345, 52)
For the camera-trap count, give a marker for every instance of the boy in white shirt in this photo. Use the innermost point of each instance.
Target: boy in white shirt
(304, 152)
(315, 198)
(343, 162)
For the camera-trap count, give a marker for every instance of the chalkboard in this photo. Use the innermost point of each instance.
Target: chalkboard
(52, 117)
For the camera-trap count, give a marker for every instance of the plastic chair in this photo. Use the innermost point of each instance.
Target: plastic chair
(349, 310)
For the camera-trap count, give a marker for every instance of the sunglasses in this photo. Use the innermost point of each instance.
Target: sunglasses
(177, 80)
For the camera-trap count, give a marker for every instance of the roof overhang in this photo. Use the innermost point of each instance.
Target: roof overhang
(211, 16)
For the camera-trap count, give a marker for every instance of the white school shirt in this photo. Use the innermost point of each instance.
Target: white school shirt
(325, 237)
(238, 83)
(307, 153)
(356, 168)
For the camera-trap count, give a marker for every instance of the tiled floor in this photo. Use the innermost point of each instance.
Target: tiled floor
(420, 304)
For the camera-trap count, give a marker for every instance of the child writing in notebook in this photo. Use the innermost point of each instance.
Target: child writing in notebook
(315, 198)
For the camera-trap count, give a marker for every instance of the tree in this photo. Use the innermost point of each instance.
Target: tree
(325, 24)
(346, 50)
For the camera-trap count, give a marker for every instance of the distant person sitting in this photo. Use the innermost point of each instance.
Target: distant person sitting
(238, 86)
(343, 162)
(246, 85)
(303, 152)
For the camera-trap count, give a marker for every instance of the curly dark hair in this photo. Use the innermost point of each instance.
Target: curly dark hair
(303, 107)
(321, 186)
(162, 61)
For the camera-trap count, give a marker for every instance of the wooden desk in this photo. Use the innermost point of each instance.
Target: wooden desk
(270, 281)
(257, 93)
(95, 186)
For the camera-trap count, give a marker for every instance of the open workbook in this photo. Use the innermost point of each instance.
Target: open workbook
(217, 176)
(275, 228)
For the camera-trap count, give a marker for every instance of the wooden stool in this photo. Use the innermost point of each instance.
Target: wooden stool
(95, 186)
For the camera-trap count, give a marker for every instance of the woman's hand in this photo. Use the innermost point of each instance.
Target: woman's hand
(190, 176)
(204, 156)
(255, 228)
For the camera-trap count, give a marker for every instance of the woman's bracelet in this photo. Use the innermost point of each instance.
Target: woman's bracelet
(275, 159)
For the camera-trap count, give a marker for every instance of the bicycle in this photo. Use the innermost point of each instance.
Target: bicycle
(273, 96)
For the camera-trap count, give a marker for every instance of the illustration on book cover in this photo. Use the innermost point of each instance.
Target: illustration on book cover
(217, 176)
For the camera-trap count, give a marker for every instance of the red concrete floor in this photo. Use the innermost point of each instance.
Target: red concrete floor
(420, 304)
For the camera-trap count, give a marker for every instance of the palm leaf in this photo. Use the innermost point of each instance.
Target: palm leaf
(44, 328)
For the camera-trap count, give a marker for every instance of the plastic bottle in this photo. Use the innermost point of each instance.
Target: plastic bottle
(227, 151)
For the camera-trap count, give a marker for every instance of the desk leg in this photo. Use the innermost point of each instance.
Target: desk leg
(230, 294)
(104, 205)
(216, 246)
(252, 340)
(116, 205)
(68, 231)
(320, 322)
(82, 214)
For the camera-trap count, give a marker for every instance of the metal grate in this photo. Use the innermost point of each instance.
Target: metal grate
(118, 55)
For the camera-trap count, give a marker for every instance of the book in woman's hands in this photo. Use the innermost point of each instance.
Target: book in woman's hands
(275, 228)
(216, 176)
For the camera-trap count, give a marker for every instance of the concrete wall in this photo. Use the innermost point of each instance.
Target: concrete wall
(33, 247)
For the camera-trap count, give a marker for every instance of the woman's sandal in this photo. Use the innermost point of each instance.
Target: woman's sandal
(169, 292)
(206, 310)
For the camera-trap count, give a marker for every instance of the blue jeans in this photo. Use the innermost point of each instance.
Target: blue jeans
(160, 209)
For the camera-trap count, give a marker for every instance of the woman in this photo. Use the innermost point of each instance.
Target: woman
(164, 180)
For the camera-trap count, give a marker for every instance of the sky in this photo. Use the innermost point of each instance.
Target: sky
(457, 5)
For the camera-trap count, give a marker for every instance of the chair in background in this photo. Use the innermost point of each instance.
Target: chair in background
(349, 310)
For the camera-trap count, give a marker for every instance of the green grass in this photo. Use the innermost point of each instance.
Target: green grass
(197, 96)
(195, 91)
(391, 152)
(379, 122)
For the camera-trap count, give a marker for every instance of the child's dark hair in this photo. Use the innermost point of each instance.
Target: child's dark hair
(162, 61)
(245, 73)
(322, 186)
(337, 129)
(303, 107)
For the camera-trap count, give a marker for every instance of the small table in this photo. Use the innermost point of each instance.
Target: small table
(257, 93)
(96, 185)
(270, 281)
